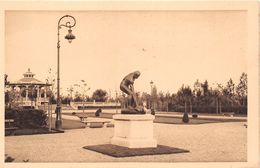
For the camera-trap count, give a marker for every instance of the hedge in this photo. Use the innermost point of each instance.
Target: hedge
(27, 118)
(210, 109)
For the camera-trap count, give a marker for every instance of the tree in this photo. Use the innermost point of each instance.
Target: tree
(6, 81)
(205, 87)
(216, 93)
(78, 97)
(167, 99)
(241, 89)
(154, 97)
(100, 95)
(184, 94)
(65, 99)
(51, 91)
(221, 97)
(70, 90)
(11, 97)
(228, 93)
(197, 88)
(230, 88)
(160, 100)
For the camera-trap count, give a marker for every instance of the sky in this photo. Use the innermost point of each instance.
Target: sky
(170, 48)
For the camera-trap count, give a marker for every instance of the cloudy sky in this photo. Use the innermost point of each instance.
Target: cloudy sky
(169, 48)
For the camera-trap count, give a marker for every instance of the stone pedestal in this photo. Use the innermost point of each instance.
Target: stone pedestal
(134, 131)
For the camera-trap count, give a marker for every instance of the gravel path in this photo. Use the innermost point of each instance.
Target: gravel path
(207, 142)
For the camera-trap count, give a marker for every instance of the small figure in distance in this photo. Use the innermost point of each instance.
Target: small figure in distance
(97, 114)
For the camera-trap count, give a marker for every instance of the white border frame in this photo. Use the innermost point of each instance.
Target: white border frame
(252, 63)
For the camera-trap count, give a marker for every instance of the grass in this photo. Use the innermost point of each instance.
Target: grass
(164, 119)
(30, 131)
(119, 151)
(69, 124)
(66, 124)
(178, 120)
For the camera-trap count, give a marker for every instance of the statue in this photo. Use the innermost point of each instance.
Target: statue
(127, 86)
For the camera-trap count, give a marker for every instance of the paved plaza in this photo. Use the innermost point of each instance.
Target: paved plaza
(221, 142)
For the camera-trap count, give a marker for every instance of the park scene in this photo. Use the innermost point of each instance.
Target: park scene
(126, 86)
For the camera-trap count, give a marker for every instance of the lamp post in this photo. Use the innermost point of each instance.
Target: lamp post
(70, 90)
(84, 94)
(69, 37)
(151, 104)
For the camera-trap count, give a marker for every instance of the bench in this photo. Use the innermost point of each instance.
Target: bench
(110, 125)
(82, 119)
(95, 124)
(9, 126)
(231, 114)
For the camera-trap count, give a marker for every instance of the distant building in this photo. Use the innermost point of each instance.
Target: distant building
(31, 91)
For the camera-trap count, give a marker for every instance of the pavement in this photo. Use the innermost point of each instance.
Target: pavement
(213, 142)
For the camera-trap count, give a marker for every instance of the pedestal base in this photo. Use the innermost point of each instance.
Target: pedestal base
(134, 143)
(134, 131)
(120, 151)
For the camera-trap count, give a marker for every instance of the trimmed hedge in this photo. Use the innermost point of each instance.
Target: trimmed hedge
(152, 111)
(185, 118)
(210, 109)
(27, 118)
(195, 115)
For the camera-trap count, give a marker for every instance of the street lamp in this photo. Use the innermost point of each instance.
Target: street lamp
(69, 37)
(84, 96)
(151, 104)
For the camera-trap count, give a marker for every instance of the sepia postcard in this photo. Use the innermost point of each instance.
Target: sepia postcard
(129, 84)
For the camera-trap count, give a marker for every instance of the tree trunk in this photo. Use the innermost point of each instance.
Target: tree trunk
(190, 107)
(31, 103)
(220, 111)
(217, 105)
(185, 107)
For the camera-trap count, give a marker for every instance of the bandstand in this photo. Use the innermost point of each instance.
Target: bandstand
(32, 92)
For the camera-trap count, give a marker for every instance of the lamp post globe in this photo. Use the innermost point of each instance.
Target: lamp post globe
(70, 36)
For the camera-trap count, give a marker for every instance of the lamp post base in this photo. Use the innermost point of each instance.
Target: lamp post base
(58, 122)
(58, 125)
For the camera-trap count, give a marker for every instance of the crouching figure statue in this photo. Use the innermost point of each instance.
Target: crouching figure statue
(127, 86)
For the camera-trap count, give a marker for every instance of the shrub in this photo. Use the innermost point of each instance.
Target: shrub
(210, 109)
(27, 118)
(185, 118)
(11, 113)
(152, 111)
(195, 115)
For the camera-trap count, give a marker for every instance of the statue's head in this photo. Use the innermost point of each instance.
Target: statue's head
(137, 74)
